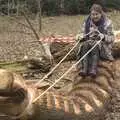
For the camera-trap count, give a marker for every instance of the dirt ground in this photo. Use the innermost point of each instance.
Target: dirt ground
(16, 41)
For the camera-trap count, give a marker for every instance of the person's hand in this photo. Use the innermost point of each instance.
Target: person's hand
(101, 36)
(78, 37)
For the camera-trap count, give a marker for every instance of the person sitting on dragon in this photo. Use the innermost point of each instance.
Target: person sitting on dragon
(96, 21)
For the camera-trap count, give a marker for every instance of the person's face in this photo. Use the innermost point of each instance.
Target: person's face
(95, 16)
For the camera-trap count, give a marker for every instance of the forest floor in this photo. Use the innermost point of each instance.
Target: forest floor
(17, 41)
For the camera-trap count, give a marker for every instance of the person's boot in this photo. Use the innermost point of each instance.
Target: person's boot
(93, 71)
(93, 66)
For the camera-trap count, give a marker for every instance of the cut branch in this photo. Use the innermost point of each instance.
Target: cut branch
(31, 27)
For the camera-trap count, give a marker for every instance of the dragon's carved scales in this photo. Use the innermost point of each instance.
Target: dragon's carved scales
(86, 99)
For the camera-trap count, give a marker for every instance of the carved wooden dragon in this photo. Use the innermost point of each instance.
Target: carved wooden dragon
(86, 100)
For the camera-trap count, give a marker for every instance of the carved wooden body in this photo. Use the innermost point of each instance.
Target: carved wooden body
(86, 100)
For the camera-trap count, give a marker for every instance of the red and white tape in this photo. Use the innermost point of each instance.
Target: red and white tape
(70, 38)
(59, 38)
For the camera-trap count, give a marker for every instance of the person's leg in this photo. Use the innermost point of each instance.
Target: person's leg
(93, 61)
(84, 62)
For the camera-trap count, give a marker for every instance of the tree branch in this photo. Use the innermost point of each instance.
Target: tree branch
(31, 27)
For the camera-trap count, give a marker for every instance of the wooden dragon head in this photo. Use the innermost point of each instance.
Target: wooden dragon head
(15, 95)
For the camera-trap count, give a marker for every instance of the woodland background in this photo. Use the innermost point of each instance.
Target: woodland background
(54, 7)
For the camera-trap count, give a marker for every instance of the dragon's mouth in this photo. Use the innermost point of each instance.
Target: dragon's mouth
(12, 103)
(13, 93)
(13, 96)
(12, 89)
